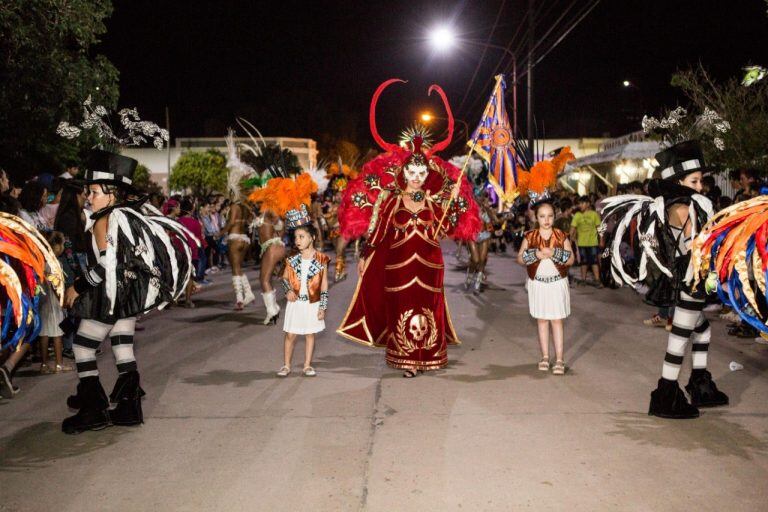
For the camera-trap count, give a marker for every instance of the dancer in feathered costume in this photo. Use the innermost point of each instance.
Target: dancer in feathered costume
(141, 262)
(320, 177)
(405, 201)
(28, 268)
(660, 229)
(731, 253)
(279, 197)
(239, 220)
(340, 174)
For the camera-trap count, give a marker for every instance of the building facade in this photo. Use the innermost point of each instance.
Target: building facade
(161, 162)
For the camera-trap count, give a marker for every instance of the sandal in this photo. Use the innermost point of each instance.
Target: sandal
(309, 371)
(559, 368)
(45, 369)
(283, 372)
(409, 374)
(655, 321)
(544, 364)
(63, 367)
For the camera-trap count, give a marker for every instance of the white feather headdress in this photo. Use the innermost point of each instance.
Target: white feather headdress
(237, 170)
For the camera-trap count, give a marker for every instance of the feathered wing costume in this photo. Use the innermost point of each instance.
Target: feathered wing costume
(147, 264)
(638, 226)
(26, 264)
(400, 301)
(731, 253)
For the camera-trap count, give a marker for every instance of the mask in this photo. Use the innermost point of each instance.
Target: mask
(417, 173)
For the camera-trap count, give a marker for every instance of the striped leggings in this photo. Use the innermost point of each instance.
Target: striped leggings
(688, 323)
(90, 335)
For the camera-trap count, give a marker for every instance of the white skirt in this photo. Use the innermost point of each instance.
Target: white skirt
(51, 314)
(301, 318)
(549, 301)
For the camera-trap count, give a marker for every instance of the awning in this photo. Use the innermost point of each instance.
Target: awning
(628, 151)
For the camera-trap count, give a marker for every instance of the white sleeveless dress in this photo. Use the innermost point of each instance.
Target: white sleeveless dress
(301, 315)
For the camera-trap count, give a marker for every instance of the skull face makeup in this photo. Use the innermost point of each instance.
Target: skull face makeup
(416, 175)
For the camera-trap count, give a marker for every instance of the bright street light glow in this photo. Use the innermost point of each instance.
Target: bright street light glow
(626, 83)
(426, 117)
(442, 38)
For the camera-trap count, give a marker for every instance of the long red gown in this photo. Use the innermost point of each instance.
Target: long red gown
(400, 301)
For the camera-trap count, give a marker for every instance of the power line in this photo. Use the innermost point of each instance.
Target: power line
(561, 31)
(562, 35)
(500, 62)
(482, 57)
(554, 25)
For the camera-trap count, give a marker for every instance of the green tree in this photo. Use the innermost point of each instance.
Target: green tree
(202, 173)
(47, 69)
(142, 180)
(745, 108)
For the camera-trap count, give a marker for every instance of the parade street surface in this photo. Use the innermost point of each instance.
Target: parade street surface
(490, 432)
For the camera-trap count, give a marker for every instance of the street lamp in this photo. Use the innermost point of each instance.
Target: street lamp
(626, 83)
(444, 38)
(427, 117)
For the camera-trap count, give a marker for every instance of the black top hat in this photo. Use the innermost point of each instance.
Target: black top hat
(110, 169)
(682, 159)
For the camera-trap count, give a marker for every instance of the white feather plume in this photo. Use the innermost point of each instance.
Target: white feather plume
(237, 170)
(319, 176)
(475, 164)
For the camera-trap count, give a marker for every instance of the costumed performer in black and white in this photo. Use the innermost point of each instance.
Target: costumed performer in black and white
(140, 262)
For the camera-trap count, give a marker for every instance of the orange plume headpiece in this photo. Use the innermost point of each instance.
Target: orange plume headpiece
(281, 195)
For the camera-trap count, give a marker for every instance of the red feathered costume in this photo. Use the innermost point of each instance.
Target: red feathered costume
(400, 301)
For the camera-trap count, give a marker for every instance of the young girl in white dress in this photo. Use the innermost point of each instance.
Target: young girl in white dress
(305, 281)
(547, 254)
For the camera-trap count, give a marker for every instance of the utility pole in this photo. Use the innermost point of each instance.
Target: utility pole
(168, 127)
(531, 151)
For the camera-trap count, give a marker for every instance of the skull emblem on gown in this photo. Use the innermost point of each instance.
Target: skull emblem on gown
(418, 327)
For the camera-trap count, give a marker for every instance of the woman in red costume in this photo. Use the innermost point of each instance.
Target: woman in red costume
(404, 202)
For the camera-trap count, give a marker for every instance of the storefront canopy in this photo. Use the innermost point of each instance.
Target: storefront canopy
(628, 151)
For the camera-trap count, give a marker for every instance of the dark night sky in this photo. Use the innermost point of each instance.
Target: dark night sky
(309, 68)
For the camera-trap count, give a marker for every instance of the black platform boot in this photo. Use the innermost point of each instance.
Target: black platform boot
(76, 401)
(668, 401)
(127, 395)
(703, 391)
(93, 408)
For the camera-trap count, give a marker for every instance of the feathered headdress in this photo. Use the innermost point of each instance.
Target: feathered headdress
(383, 174)
(339, 174)
(428, 150)
(539, 178)
(281, 195)
(320, 176)
(237, 170)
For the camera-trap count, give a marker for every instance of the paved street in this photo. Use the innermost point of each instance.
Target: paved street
(488, 433)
